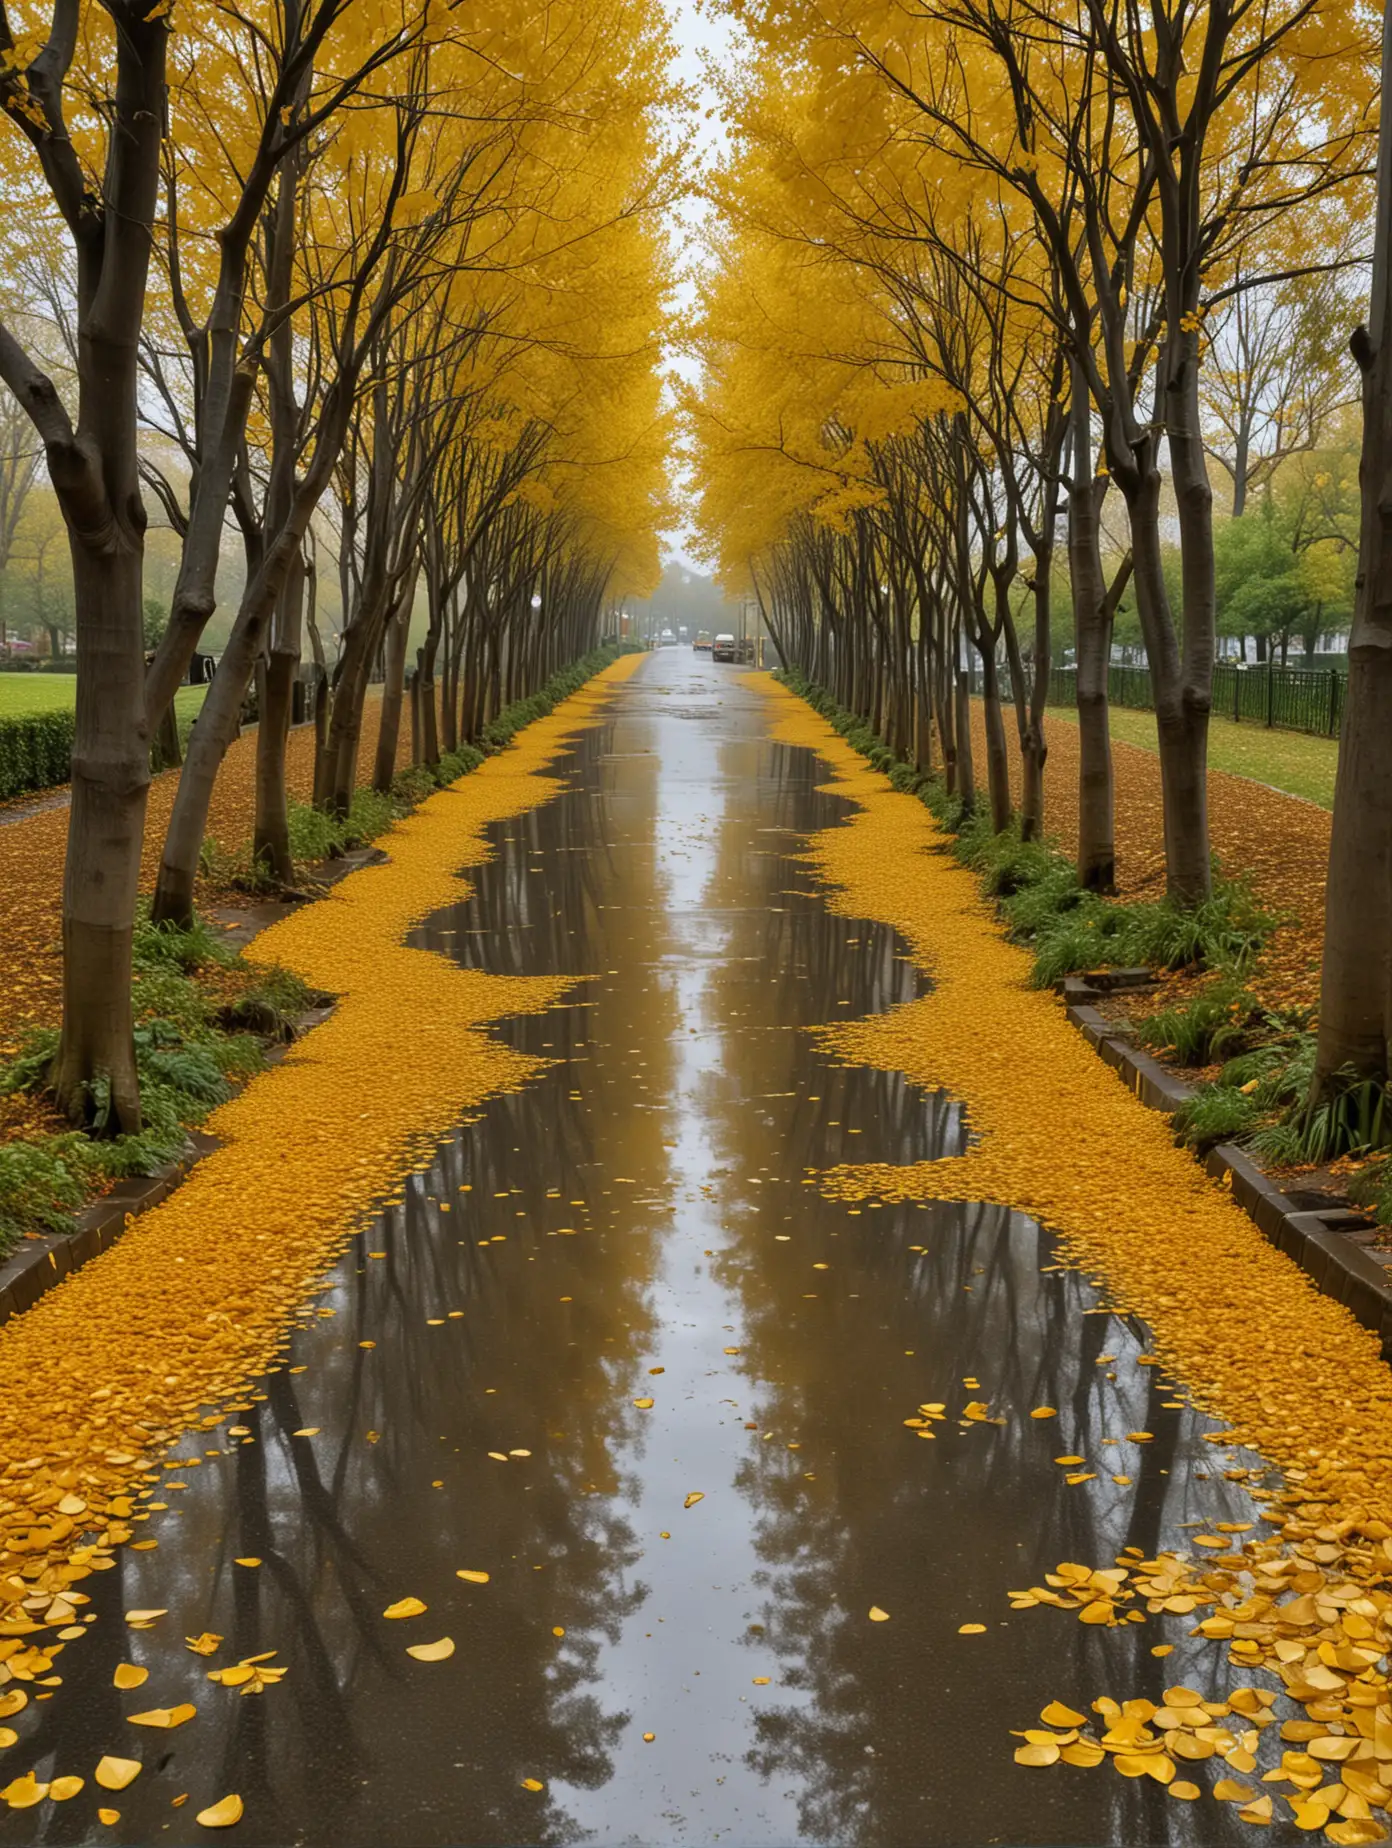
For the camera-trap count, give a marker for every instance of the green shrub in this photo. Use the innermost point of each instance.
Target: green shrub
(1209, 1027)
(42, 1184)
(35, 752)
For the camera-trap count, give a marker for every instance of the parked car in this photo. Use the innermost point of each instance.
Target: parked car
(724, 648)
(702, 644)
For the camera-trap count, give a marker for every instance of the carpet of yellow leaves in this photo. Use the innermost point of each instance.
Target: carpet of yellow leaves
(1289, 1368)
(1277, 842)
(31, 868)
(196, 1298)
(1290, 1373)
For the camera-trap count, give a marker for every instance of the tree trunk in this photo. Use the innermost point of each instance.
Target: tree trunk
(966, 772)
(1355, 1020)
(1092, 633)
(271, 837)
(389, 731)
(1181, 714)
(93, 1075)
(168, 753)
(997, 756)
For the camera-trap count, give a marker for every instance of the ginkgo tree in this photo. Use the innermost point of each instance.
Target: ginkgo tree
(258, 214)
(1040, 207)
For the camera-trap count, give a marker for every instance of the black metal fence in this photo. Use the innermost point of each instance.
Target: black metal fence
(1303, 699)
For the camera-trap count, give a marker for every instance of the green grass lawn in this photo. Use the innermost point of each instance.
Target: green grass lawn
(22, 694)
(1301, 765)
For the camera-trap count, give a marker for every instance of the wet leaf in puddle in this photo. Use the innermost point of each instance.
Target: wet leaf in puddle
(222, 1814)
(971, 1629)
(405, 1607)
(648, 1738)
(308, 1431)
(476, 1578)
(1309, 1815)
(116, 1773)
(645, 1405)
(877, 1615)
(762, 1681)
(1086, 1476)
(24, 1792)
(247, 1562)
(129, 1676)
(657, 1369)
(203, 1645)
(532, 1783)
(167, 1717)
(1228, 1790)
(1056, 1714)
(729, 1350)
(695, 1496)
(64, 1788)
(1082, 1752)
(1044, 1411)
(433, 1652)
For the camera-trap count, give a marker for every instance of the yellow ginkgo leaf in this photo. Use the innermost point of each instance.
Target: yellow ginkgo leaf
(877, 1615)
(471, 1577)
(1056, 1714)
(695, 1496)
(433, 1652)
(116, 1773)
(129, 1676)
(164, 1716)
(532, 1783)
(405, 1607)
(62, 1788)
(24, 1792)
(222, 1814)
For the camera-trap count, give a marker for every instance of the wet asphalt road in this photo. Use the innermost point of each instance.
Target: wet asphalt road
(636, 1225)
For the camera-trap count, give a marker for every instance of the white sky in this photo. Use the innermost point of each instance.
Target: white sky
(698, 38)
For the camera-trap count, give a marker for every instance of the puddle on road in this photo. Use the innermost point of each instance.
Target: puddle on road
(636, 1226)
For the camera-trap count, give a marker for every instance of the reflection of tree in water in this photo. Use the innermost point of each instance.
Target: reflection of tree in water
(896, 1733)
(359, 1743)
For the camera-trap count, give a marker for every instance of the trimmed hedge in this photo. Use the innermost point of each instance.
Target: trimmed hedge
(35, 752)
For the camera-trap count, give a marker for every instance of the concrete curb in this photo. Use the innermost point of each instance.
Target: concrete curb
(1315, 1240)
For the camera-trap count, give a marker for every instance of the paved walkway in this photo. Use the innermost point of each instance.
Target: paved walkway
(509, 1437)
